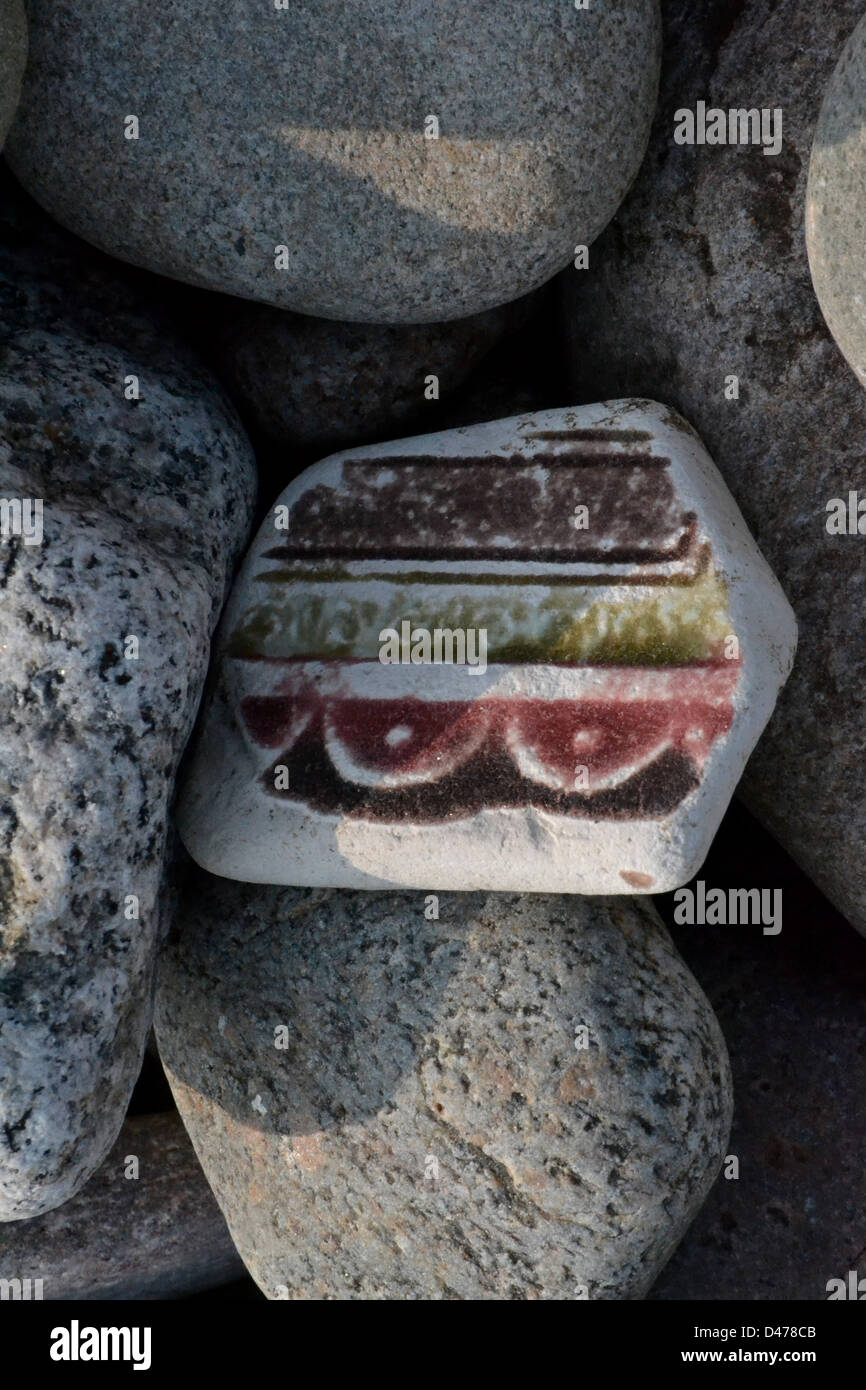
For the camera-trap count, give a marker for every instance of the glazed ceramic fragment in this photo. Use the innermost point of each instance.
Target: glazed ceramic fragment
(530, 655)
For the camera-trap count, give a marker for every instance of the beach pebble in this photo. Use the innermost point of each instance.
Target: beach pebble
(313, 383)
(378, 162)
(789, 1217)
(128, 487)
(477, 1097)
(13, 56)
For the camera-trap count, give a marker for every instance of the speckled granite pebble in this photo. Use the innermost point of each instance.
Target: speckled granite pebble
(704, 275)
(393, 1105)
(836, 203)
(144, 504)
(158, 1234)
(308, 129)
(13, 56)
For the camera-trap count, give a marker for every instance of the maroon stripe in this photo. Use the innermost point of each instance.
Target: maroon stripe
(494, 509)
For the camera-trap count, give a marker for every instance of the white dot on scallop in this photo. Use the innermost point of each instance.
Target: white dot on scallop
(398, 735)
(587, 738)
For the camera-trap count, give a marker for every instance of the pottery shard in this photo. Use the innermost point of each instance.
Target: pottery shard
(524, 656)
(120, 519)
(380, 161)
(145, 1226)
(703, 278)
(524, 1097)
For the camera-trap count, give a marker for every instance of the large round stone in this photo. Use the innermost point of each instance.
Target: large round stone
(414, 161)
(399, 1095)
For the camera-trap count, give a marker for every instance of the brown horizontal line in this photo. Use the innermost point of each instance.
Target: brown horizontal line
(619, 555)
(597, 436)
(571, 459)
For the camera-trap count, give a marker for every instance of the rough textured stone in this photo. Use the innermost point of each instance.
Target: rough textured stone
(318, 384)
(305, 128)
(13, 56)
(836, 203)
(144, 505)
(430, 1128)
(157, 1235)
(791, 1007)
(58, 280)
(704, 275)
(623, 643)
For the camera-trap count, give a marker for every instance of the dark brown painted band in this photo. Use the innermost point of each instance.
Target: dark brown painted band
(493, 508)
(596, 436)
(489, 781)
(700, 564)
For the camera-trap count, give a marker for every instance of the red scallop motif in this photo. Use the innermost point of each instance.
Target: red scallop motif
(551, 742)
(396, 742)
(277, 721)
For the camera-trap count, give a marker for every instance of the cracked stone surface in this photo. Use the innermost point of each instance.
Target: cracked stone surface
(251, 139)
(390, 1105)
(13, 56)
(145, 504)
(704, 274)
(157, 1235)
